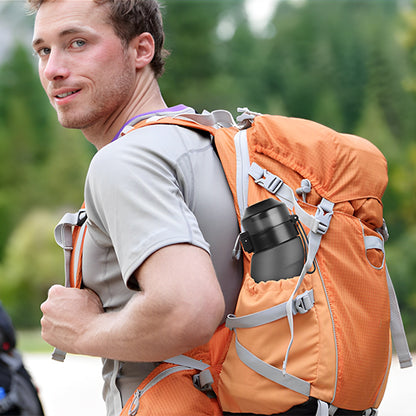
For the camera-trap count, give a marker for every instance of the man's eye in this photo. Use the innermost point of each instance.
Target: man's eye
(43, 51)
(78, 43)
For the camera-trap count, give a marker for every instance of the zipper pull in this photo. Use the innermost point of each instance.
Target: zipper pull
(134, 407)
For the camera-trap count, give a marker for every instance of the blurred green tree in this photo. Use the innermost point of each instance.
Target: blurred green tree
(41, 164)
(32, 263)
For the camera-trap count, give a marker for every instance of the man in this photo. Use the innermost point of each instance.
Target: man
(157, 263)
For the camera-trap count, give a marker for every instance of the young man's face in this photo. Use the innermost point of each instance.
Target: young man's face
(85, 71)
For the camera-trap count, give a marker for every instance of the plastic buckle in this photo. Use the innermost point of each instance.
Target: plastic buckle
(304, 302)
(203, 382)
(323, 217)
(272, 182)
(264, 178)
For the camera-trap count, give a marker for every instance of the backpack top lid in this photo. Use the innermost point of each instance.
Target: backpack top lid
(341, 167)
(7, 333)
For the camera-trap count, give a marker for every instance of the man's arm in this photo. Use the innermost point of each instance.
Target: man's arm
(178, 308)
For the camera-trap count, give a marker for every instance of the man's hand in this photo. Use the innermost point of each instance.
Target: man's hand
(179, 307)
(67, 315)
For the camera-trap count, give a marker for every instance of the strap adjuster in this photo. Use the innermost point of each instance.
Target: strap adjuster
(266, 179)
(203, 382)
(304, 302)
(272, 182)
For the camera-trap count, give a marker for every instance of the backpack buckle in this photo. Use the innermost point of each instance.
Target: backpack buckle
(203, 382)
(323, 217)
(266, 179)
(304, 302)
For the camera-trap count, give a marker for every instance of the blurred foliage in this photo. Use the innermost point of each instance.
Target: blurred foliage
(32, 263)
(349, 64)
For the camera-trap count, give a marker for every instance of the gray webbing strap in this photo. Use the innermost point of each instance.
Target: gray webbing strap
(270, 372)
(398, 333)
(373, 242)
(216, 118)
(322, 218)
(185, 361)
(242, 171)
(63, 237)
(397, 329)
(302, 304)
(323, 409)
(203, 380)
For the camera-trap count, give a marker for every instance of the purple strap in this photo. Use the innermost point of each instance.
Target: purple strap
(176, 108)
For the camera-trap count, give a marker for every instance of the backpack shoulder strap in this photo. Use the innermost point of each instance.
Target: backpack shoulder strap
(67, 236)
(211, 122)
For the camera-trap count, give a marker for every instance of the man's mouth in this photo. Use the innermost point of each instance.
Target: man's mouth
(66, 94)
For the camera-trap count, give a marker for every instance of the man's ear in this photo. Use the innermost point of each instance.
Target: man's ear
(144, 49)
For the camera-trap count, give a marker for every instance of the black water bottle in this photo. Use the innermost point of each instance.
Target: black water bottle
(272, 235)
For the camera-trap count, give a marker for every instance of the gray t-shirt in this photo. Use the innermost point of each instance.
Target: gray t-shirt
(155, 186)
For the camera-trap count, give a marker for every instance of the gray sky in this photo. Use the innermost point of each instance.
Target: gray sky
(15, 25)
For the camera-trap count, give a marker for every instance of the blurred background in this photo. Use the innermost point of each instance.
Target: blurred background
(349, 64)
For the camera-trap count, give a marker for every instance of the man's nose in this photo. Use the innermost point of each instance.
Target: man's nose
(56, 67)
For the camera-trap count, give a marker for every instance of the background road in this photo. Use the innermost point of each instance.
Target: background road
(74, 387)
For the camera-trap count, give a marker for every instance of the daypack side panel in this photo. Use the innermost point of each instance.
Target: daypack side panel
(358, 297)
(351, 171)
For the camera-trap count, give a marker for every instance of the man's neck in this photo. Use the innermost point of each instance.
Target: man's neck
(146, 98)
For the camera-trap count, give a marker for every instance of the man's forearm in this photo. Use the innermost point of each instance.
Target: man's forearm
(172, 314)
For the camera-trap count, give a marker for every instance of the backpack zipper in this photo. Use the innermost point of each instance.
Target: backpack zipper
(134, 407)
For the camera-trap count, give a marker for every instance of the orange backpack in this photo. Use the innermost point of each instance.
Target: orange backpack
(325, 333)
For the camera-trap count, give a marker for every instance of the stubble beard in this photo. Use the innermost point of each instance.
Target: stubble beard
(105, 103)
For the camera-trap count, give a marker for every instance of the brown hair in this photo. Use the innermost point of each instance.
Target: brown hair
(130, 18)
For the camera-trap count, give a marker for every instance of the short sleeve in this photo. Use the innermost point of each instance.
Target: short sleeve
(135, 195)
